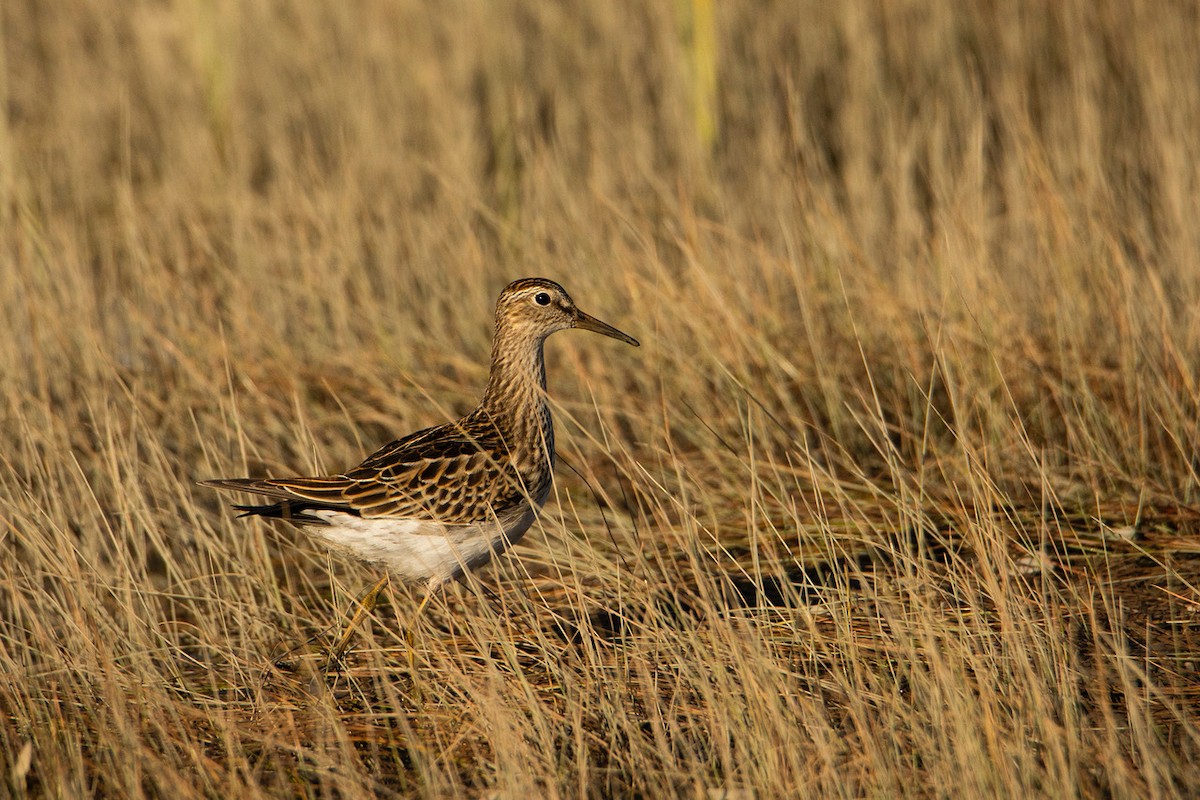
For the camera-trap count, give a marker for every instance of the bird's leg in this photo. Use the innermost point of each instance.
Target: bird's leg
(410, 632)
(366, 605)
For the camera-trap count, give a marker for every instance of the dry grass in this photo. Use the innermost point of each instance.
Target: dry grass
(898, 499)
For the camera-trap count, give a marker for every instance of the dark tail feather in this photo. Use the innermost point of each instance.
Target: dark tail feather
(293, 511)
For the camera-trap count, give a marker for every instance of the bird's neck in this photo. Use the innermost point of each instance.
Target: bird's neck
(515, 398)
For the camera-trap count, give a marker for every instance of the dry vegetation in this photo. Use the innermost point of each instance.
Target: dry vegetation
(899, 497)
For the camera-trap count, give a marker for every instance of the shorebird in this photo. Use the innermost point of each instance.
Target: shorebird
(444, 500)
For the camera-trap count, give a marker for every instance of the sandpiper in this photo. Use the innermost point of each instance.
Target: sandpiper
(443, 500)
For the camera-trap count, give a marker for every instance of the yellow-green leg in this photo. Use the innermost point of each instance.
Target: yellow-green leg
(409, 633)
(365, 606)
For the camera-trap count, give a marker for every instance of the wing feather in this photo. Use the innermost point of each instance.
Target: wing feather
(459, 473)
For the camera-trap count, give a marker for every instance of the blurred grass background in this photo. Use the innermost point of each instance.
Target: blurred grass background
(897, 499)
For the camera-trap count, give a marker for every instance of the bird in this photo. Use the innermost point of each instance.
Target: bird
(444, 500)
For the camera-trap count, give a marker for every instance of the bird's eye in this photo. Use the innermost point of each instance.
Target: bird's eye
(542, 299)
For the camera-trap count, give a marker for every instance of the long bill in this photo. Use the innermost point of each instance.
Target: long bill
(589, 323)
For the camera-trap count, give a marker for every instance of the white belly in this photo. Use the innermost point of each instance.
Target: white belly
(419, 550)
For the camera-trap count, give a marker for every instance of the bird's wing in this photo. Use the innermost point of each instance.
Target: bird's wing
(450, 474)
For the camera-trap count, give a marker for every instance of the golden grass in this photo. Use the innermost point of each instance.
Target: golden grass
(898, 499)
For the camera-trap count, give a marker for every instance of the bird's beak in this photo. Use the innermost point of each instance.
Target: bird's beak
(589, 323)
